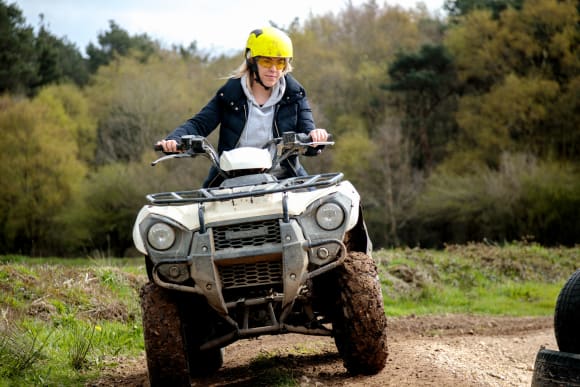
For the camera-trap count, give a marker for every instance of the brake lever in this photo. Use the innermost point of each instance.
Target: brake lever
(317, 143)
(171, 156)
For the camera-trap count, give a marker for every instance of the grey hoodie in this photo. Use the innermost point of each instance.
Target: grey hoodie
(258, 130)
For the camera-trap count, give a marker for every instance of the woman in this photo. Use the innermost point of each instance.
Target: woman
(258, 103)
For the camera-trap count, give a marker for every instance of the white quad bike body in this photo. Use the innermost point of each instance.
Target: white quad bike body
(254, 256)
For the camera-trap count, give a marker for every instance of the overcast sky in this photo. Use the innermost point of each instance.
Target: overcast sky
(216, 25)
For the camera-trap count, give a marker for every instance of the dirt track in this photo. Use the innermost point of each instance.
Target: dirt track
(427, 351)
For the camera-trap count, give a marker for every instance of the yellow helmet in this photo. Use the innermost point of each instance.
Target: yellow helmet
(269, 41)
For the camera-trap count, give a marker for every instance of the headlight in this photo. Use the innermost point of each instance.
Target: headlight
(329, 216)
(161, 236)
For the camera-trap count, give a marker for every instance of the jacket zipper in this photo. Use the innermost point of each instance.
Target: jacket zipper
(245, 106)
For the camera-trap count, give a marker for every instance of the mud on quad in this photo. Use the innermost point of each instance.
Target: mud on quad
(256, 256)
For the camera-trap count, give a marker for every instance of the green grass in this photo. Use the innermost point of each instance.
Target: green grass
(68, 319)
(269, 367)
(512, 280)
(63, 322)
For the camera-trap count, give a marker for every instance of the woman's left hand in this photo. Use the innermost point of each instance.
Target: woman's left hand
(318, 135)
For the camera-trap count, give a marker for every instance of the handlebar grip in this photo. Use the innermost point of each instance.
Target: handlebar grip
(159, 148)
(306, 137)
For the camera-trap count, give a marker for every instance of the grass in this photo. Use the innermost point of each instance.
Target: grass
(512, 280)
(67, 320)
(63, 322)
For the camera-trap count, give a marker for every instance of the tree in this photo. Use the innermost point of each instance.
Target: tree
(101, 216)
(463, 7)
(83, 127)
(29, 62)
(395, 184)
(516, 73)
(427, 81)
(39, 160)
(510, 118)
(58, 61)
(354, 48)
(138, 103)
(513, 171)
(118, 42)
(18, 67)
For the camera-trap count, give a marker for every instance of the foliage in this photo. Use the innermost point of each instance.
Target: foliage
(136, 104)
(29, 62)
(118, 42)
(352, 70)
(83, 124)
(101, 216)
(390, 194)
(510, 118)
(43, 178)
(418, 104)
(356, 47)
(517, 71)
(463, 7)
(20, 350)
(427, 83)
(17, 61)
(68, 320)
(82, 344)
(58, 61)
(353, 155)
(523, 199)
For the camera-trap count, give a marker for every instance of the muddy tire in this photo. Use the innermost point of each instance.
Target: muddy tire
(567, 315)
(167, 363)
(554, 368)
(197, 327)
(359, 321)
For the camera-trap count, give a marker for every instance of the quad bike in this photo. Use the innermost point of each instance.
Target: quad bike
(257, 255)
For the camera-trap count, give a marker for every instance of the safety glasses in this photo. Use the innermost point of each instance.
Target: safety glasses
(268, 62)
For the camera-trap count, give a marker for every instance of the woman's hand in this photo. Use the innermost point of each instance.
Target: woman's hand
(318, 135)
(169, 146)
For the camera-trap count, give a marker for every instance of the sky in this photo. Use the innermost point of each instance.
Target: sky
(218, 26)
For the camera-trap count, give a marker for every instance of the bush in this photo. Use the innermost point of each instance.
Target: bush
(524, 199)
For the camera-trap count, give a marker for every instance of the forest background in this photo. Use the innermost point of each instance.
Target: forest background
(453, 129)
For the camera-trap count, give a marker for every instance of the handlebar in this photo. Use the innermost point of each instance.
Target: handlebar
(303, 138)
(290, 143)
(195, 143)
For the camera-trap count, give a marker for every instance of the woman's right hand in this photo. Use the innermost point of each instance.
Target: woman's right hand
(169, 146)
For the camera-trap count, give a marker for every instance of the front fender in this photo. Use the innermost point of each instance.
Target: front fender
(357, 238)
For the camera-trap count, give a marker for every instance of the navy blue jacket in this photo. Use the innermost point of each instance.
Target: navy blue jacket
(229, 109)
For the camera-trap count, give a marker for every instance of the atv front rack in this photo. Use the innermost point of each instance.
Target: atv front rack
(205, 195)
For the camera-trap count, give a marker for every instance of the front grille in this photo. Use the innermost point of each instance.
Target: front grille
(251, 274)
(253, 234)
